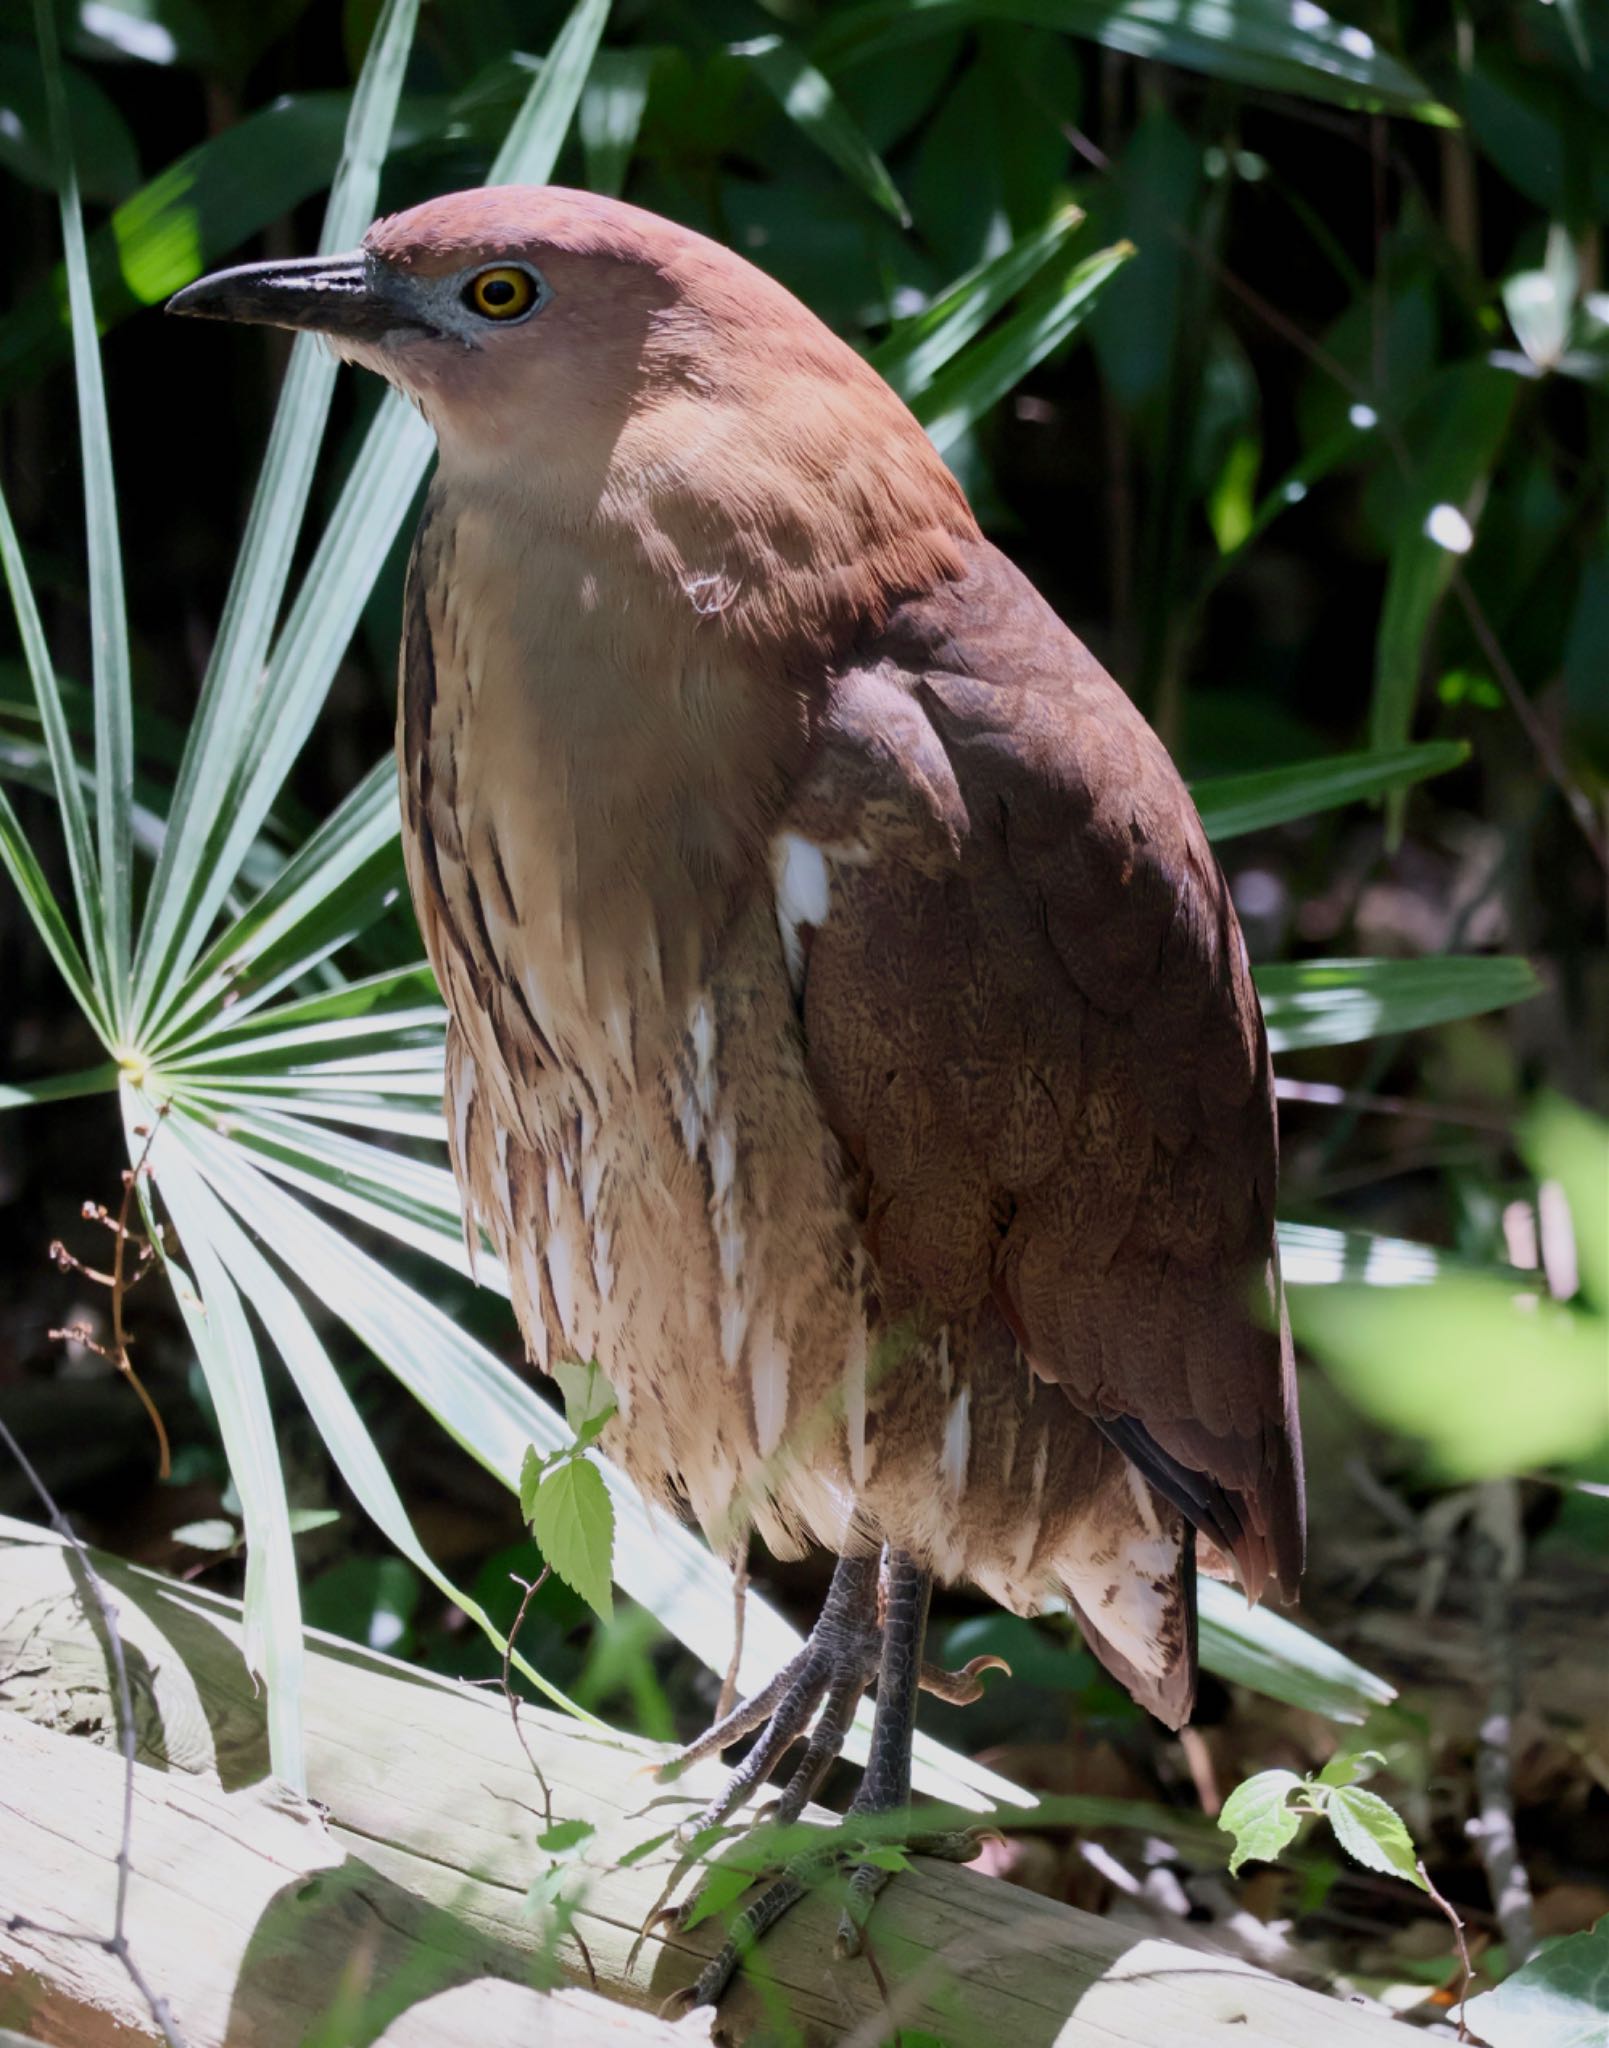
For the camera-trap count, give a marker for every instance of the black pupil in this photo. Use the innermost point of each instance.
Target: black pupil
(498, 291)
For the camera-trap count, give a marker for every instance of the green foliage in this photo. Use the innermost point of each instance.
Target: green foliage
(1264, 1814)
(1559, 1999)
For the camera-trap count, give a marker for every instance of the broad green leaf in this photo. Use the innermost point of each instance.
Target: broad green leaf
(809, 101)
(114, 726)
(1046, 315)
(532, 1467)
(192, 880)
(1257, 1648)
(1258, 1815)
(1491, 1379)
(1268, 44)
(919, 348)
(1338, 1002)
(1372, 1832)
(1233, 804)
(574, 1527)
(1565, 1143)
(569, 1834)
(610, 115)
(1559, 1999)
(1468, 412)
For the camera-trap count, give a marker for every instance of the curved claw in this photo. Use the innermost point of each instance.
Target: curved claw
(961, 1688)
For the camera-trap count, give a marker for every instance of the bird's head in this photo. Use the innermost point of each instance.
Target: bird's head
(581, 352)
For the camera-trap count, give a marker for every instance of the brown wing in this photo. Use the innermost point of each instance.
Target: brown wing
(1031, 1021)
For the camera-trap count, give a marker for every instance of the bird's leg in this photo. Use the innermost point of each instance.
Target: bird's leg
(834, 1667)
(885, 1788)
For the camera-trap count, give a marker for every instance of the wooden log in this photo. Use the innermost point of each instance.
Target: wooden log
(397, 1894)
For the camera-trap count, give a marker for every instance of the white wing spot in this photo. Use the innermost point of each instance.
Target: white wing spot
(803, 892)
(957, 1442)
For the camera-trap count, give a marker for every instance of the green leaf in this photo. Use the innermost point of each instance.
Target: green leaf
(722, 1886)
(1258, 1815)
(1467, 413)
(103, 149)
(1338, 1002)
(1372, 1833)
(1350, 1766)
(58, 1087)
(1564, 1143)
(28, 878)
(1234, 804)
(884, 1856)
(214, 1534)
(532, 1467)
(1559, 1999)
(569, 1834)
(574, 1526)
(1048, 313)
(589, 1400)
(1254, 1647)
(610, 115)
(224, 1344)
(1491, 1379)
(919, 348)
(1260, 43)
(807, 99)
(114, 726)
(66, 781)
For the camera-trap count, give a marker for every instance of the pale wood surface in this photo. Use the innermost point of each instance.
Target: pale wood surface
(401, 1891)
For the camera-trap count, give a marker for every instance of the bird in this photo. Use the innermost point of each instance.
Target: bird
(852, 1046)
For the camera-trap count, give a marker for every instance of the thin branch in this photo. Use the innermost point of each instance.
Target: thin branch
(116, 1943)
(1459, 1942)
(530, 1590)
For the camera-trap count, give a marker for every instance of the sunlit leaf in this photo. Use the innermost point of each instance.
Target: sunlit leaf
(807, 99)
(1492, 1379)
(1269, 44)
(1045, 316)
(1255, 1647)
(574, 1526)
(1258, 1815)
(1559, 1999)
(1372, 1832)
(1336, 1002)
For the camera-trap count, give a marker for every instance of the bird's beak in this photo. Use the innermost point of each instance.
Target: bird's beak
(347, 297)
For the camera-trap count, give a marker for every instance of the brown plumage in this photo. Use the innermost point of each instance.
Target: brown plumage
(852, 1043)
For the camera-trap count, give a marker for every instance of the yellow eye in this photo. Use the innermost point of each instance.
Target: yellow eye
(503, 293)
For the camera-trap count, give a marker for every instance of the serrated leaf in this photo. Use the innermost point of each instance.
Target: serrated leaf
(574, 1525)
(885, 1856)
(589, 1400)
(532, 1467)
(1258, 1814)
(1559, 1999)
(1372, 1832)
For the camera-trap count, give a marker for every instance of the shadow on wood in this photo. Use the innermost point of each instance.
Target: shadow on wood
(392, 1904)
